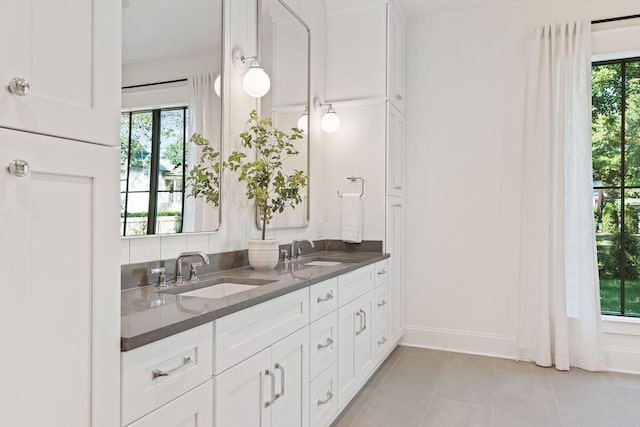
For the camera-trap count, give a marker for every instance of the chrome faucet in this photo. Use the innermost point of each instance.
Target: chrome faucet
(184, 255)
(297, 250)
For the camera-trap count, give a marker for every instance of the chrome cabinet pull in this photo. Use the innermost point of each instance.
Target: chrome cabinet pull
(398, 187)
(360, 329)
(326, 298)
(326, 400)
(382, 303)
(381, 272)
(156, 373)
(364, 314)
(327, 344)
(273, 388)
(19, 86)
(281, 368)
(382, 341)
(399, 97)
(19, 168)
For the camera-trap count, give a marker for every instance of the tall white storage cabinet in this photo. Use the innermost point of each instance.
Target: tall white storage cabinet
(59, 258)
(59, 213)
(68, 52)
(364, 88)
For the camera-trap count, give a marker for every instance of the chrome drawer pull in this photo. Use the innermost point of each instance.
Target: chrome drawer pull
(273, 388)
(156, 373)
(326, 400)
(327, 298)
(382, 303)
(329, 342)
(381, 272)
(279, 395)
(360, 328)
(382, 341)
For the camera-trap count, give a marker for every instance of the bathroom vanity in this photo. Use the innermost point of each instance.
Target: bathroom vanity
(291, 349)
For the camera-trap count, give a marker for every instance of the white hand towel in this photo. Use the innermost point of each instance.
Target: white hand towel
(351, 231)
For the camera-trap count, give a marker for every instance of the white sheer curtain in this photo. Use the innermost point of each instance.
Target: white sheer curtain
(559, 299)
(204, 118)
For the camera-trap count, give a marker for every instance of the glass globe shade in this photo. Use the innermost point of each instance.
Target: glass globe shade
(256, 82)
(330, 122)
(303, 122)
(216, 85)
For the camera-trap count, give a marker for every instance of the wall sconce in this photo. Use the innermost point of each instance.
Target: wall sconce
(216, 85)
(303, 121)
(330, 122)
(255, 82)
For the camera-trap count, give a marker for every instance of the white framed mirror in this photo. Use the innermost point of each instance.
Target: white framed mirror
(172, 63)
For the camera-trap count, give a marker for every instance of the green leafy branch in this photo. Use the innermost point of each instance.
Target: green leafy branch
(267, 185)
(204, 177)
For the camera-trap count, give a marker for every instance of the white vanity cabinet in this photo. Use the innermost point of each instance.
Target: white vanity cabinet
(155, 374)
(355, 331)
(69, 54)
(261, 364)
(323, 331)
(268, 389)
(60, 326)
(193, 409)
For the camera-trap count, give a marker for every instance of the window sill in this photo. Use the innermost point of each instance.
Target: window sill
(621, 325)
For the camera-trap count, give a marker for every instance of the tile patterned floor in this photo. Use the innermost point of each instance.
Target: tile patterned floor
(429, 388)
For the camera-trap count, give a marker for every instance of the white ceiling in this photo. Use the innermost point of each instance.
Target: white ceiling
(160, 29)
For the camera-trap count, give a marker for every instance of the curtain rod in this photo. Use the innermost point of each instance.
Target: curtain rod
(154, 84)
(620, 18)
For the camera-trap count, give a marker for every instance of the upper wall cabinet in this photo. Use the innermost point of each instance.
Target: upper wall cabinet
(395, 60)
(365, 51)
(60, 67)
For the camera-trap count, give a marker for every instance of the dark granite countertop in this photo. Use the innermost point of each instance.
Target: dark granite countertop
(149, 313)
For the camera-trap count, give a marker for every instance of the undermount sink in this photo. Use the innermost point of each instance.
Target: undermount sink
(220, 287)
(220, 290)
(320, 263)
(328, 261)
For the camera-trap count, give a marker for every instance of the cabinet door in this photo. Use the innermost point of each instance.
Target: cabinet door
(355, 347)
(69, 52)
(393, 244)
(290, 363)
(395, 151)
(395, 60)
(244, 393)
(193, 409)
(60, 267)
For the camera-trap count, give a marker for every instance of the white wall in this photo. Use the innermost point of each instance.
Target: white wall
(465, 85)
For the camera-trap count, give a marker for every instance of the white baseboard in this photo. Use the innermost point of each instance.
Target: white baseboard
(502, 346)
(482, 344)
(623, 360)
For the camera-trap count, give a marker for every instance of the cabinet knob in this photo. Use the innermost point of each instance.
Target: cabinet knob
(399, 97)
(19, 86)
(19, 168)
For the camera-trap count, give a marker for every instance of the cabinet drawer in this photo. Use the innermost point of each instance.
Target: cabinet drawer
(194, 409)
(352, 285)
(324, 343)
(323, 298)
(380, 303)
(157, 373)
(246, 332)
(381, 340)
(381, 272)
(324, 397)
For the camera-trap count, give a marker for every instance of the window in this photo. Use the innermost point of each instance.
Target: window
(616, 182)
(152, 175)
